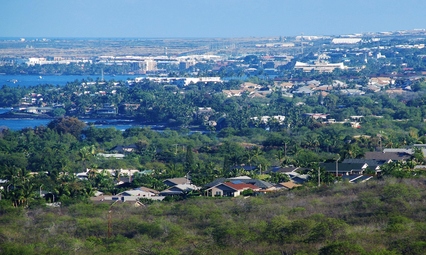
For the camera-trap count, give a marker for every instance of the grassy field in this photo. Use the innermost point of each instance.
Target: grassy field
(377, 217)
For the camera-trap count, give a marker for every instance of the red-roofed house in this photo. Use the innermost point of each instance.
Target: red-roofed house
(230, 189)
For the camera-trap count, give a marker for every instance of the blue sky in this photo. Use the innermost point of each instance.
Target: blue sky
(206, 18)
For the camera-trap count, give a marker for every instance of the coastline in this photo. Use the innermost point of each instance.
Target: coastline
(11, 115)
(98, 121)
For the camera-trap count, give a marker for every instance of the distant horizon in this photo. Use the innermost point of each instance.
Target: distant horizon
(205, 19)
(213, 37)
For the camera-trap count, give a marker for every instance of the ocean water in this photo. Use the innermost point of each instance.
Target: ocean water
(18, 124)
(21, 123)
(34, 80)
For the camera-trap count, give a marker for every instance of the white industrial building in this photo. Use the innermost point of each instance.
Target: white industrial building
(346, 40)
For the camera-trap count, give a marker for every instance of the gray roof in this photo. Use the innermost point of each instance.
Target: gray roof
(280, 169)
(298, 180)
(386, 155)
(342, 167)
(177, 181)
(215, 182)
(147, 190)
(372, 163)
(259, 183)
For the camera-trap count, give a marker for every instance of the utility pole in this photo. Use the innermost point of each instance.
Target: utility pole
(337, 166)
(110, 220)
(285, 149)
(319, 177)
(109, 224)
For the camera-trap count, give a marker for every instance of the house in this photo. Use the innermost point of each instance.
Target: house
(284, 85)
(381, 81)
(343, 169)
(394, 156)
(111, 155)
(352, 92)
(287, 169)
(123, 174)
(356, 117)
(373, 164)
(317, 115)
(339, 84)
(204, 111)
(38, 110)
(373, 88)
(233, 93)
(178, 190)
(133, 195)
(324, 88)
(230, 189)
(265, 119)
(323, 94)
(137, 193)
(151, 191)
(107, 109)
(241, 179)
(249, 86)
(297, 177)
(313, 83)
(125, 148)
(287, 185)
(280, 169)
(176, 181)
(304, 90)
(131, 107)
(256, 94)
(395, 91)
(355, 124)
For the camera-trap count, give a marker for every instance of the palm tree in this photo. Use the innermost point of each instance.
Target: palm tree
(280, 156)
(86, 153)
(23, 191)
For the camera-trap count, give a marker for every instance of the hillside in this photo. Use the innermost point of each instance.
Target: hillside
(377, 217)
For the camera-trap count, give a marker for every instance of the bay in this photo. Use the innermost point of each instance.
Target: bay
(61, 80)
(18, 124)
(21, 123)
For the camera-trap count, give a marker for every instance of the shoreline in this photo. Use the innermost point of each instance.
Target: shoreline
(9, 115)
(100, 121)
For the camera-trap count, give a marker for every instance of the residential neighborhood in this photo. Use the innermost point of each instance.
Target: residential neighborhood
(299, 144)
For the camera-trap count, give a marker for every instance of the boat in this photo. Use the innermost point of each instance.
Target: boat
(13, 80)
(40, 77)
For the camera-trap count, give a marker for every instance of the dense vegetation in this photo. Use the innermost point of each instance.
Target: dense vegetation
(378, 217)
(175, 106)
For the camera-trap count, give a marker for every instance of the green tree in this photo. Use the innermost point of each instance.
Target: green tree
(67, 125)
